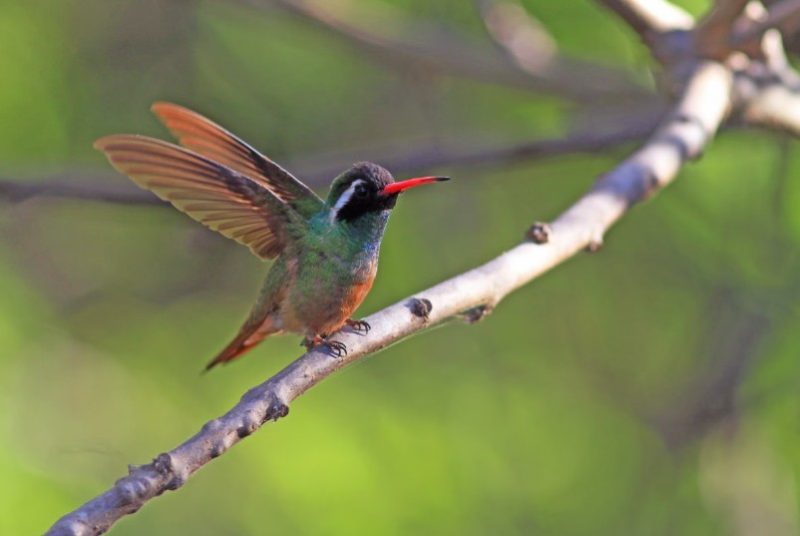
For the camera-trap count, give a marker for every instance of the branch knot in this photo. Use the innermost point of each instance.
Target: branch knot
(539, 233)
(420, 307)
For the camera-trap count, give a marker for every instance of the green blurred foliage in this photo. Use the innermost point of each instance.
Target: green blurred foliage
(651, 388)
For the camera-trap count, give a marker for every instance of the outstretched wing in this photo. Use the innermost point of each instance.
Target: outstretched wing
(206, 138)
(224, 200)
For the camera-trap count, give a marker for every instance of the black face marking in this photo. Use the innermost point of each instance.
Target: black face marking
(357, 192)
(365, 198)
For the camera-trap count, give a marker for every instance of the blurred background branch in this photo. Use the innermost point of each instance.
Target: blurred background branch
(388, 34)
(519, 34)
(317, 170)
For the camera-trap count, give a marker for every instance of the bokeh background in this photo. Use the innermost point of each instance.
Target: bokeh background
(651, 388)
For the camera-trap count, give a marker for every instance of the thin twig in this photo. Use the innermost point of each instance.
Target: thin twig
(682, 136)
(733, 347)
(71, 186)
(473, 155)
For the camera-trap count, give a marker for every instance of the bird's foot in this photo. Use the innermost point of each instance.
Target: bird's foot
(337, 348)
(359, 326)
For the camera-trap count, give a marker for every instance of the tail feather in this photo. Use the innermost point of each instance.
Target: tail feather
(236, 348)
(249, 336)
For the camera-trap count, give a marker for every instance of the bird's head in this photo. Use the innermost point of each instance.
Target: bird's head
(366, 188)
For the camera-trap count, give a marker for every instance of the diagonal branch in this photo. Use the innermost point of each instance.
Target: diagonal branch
(694, 120)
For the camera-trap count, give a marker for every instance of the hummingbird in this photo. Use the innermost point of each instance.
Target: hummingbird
(325, 251)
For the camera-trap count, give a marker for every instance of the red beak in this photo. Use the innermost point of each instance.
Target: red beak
(397, 187)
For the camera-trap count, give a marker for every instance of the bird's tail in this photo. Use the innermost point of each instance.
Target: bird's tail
(248, 337)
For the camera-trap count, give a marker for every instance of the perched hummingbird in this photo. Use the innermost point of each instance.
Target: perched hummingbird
(326, 251)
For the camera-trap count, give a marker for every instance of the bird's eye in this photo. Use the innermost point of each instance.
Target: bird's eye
(361, 190)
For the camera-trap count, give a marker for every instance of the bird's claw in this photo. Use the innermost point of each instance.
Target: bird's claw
(359, 326)
(337, 347)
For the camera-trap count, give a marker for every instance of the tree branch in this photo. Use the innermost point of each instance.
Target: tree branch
(690, 126)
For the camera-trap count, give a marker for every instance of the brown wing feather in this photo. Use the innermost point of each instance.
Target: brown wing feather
(222, 199)
(205, 137)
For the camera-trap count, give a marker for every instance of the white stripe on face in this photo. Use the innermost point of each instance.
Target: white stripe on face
(344, 199)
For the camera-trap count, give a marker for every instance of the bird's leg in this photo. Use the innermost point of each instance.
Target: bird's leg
(336, 347)
(311, 342)
(359, 326)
